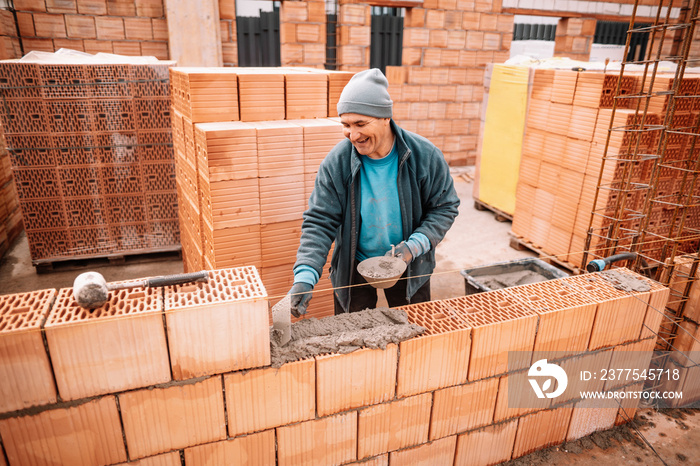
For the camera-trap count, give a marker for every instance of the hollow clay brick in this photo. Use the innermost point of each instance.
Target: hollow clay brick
(500, 325)
(89, 434)
(437, 359)
(464, 407)
(270, 397)
(381, 460)
(516, 397)
(281, 198)
(540, 430)
(360, 378)
(489, 445)
(565, 317)
(205, 94)
(619, 315)
(439, 452)
(658, 298)
(250, 450)
(625, 359)
(274, 141)
(216, 142)
(218, 326)
(166, 459)
(261, 94)
(118, 346)
(682, 379)
(628, 406)
(306, 92)
(391, 426)
(590, 416)
(596, 363)
(330, 440)
(320, 135)
(158, 420)
(24, 364)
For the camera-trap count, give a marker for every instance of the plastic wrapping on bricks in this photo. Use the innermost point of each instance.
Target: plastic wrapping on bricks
(80, 181)
(30, 150)
(37, 183)
(152, 113)
(127, 208)
(110, 81)
(121, 178)
(46, 244)
(43, 214)
(159, 176)
(64, 81)
(74, 149)
(155, 146)
(85, 211)
(92, 241)
(19, 81)
(130, 236)
(163, 233)
(24, 116)
(69, 116)
(161, 206)
(113, 115)
(117, 147)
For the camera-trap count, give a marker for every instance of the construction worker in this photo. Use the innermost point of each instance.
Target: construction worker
(381, 186)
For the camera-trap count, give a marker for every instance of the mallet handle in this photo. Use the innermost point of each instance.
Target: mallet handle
(178, 279)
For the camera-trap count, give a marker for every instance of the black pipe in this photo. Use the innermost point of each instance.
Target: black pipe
(597, 265)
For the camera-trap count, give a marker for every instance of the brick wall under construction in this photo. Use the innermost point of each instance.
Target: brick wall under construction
(91, 154)
(247, 209)
(569, 115)
(189, 377)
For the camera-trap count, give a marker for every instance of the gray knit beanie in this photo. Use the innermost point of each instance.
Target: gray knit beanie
(367, 93)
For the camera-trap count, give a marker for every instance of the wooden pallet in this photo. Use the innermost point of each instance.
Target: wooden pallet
(520, 244)
(124, 258)
(500, 215)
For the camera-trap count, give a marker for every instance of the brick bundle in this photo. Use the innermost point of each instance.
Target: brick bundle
(439, 397)
(248, 143)
(10, 213)
(91, 154)
(569, 115)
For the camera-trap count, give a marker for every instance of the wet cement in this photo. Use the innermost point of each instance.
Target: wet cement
(625, 282)
(371, 328)
(505, 280)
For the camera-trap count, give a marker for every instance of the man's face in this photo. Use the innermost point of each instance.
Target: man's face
(371, 136)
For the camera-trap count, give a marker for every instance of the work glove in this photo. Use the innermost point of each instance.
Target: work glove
(300, 297)
(402, 252)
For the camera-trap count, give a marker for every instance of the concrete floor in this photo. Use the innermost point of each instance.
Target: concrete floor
(475, 239)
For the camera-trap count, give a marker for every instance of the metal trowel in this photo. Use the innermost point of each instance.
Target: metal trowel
(282, 319)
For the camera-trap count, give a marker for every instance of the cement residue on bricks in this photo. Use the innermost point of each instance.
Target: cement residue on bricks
(344, 333)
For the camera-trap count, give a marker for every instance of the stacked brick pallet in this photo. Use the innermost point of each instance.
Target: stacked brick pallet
(569, 114)
(10, 213)
(248, 143)
(90, 149)
(438, 398)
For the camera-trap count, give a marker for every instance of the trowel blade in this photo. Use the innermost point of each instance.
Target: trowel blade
(282, 319)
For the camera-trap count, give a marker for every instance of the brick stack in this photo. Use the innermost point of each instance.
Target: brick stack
(303, 33)
(248, 144)
(10, 213)
(124, 27)
(569, 114)
(416, 401)
(90, 147)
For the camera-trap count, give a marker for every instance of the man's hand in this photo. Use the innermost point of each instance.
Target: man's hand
(402, 252)
(300, 297)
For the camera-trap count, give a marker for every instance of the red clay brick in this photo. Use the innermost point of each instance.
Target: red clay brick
(89, 360)
(281, 198)
(158, 420)
(516, 397)
(92, 7)
(440, 452)
(261, 95)
(167, 459)
(440, 357)
(89, 434)
(630, 356)
(24, 363)
(249, 450)
(593, 362)
(263, 398)
(81, 26)
(330, 440)
(274, 138)
(48, 25)
(218, 326)
(371, 373)
(590, 416)
(110, 28)
(464, 407)
(490, 445)
(541, 430)
(391, 426)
